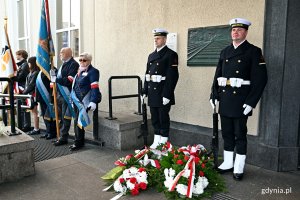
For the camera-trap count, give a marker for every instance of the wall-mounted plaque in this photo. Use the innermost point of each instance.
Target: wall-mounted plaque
(205, 45)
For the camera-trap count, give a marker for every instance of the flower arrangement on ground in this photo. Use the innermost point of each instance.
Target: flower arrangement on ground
(181, 173)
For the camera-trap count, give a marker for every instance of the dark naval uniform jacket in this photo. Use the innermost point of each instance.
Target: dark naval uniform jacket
(88, 81)
(245, 62)
(165, 64)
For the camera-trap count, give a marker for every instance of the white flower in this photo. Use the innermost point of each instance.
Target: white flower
(172, 172)
(129, 185)
(201, 184)
(132, 172)
(181, 189)
(118, 186)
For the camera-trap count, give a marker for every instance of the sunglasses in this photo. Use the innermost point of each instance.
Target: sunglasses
(82, 60)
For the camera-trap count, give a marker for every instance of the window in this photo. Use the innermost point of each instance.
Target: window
(67, 26)
(23, 36)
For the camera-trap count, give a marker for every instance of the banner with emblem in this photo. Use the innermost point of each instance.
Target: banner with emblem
(45, 44)
(7, 62)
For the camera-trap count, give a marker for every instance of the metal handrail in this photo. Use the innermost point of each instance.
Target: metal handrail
(110, 97)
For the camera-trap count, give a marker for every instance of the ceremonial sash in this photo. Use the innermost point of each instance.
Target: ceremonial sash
(45, 95)
(83, 117)
(64, 91)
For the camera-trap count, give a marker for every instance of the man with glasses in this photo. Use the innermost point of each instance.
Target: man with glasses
(85, 96)
(239, 81)
(64, 80)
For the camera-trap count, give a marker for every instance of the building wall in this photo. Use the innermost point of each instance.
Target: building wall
(118, 34)
(123, 41)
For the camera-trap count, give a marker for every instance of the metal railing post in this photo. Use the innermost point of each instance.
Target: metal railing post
(4, 115)
(12, 107)
(19, 114)
(110, 97)
(95, 124)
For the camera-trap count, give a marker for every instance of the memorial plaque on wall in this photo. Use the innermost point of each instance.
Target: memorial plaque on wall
(205, 45)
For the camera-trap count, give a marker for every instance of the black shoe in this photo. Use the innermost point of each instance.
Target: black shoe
(74, 147)
(223, 171)
(34, 132)
(49, 137)
(60, 142)
(26, 129)
(44, 136)
(237, 176)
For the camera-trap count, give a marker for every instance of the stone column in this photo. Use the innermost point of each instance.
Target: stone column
(277, 145)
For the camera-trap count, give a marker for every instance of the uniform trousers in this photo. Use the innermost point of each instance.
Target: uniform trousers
(49, 122)
(161, 120)
(64, 122)
(79, 133)
(234, 133)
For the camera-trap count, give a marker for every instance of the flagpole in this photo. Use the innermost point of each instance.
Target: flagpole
(55, 103)
(54, 83)
(8, 43)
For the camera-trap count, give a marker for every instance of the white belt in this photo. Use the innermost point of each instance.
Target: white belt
(233, 82)
(242, 83)
(155, 78)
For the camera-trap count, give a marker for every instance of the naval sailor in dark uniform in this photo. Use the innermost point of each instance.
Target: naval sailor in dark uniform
(239, 81)
(160, 82)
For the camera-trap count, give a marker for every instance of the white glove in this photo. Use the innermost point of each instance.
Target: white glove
(247, 109)
(236, 82)
(213, 104)
(165, 101)
(92, 106)
(52, 76)
(142, 97)
(222, 81)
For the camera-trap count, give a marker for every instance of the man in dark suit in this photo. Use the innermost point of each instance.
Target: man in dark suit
(160, 82)
(64, 80)
(239, 81)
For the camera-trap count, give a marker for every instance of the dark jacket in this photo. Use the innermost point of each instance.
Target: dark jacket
(164, 63)
(30, 83)
(245, 62)
(69, 68)
(23, 71)
(88, 81)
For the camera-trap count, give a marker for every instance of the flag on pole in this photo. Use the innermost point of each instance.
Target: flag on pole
(45, 53)
(44, 59)
(7, 62)
(45, 50)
